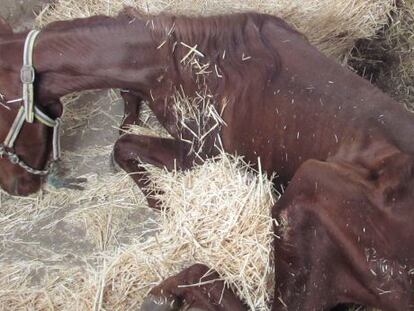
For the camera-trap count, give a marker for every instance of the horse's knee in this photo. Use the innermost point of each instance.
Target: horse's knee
(123, 154)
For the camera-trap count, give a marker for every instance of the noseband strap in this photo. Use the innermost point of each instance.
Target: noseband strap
(29, 112)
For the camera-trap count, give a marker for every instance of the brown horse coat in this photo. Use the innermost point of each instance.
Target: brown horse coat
(345, 147)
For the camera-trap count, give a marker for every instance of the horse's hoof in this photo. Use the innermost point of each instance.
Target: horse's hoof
(154, 303)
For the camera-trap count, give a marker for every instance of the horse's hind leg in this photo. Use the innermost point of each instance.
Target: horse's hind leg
(333, 217)
(181, 292)
(132, 150)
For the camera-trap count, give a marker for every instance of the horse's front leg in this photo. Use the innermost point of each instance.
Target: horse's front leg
(132, 150)
(196, 288)
(132, 107)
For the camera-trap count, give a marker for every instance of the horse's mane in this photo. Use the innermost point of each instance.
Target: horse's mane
(227, 41)
(94, 21)
(199, 26)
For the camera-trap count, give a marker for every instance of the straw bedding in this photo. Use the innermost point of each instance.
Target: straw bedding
(102, 248)
(388, 59)
(217, 214)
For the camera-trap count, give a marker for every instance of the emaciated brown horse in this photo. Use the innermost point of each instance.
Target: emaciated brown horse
(345, 147)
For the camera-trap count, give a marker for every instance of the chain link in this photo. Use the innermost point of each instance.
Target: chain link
(14, 159)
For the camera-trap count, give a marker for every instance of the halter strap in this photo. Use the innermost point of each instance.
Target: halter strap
(15, 128)
(41, 117)
(56, 125)
(27, 75)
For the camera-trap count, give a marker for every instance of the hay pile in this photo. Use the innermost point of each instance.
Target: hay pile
(217, 214)
(388, 59)
(400, 39)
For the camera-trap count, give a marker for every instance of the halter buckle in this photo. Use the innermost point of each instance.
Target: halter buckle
(27, 74)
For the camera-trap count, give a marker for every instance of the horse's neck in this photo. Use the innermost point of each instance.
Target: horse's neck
(116, 55)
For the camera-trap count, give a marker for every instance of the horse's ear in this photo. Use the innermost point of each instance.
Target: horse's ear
(5, 28)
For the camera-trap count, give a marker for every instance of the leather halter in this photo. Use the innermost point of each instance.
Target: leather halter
(29, 112)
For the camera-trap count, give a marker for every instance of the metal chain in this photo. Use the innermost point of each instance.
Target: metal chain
(14, 159)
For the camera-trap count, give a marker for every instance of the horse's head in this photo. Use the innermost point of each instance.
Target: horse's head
(25, 147)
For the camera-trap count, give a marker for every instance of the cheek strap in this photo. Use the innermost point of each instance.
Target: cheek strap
(27, 75)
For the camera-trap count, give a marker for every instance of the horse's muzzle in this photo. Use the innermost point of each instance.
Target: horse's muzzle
(22, 186)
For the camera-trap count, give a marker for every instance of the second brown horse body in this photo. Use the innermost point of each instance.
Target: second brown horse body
(344, 148)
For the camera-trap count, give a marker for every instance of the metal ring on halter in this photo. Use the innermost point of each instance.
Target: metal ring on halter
(14, 159)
